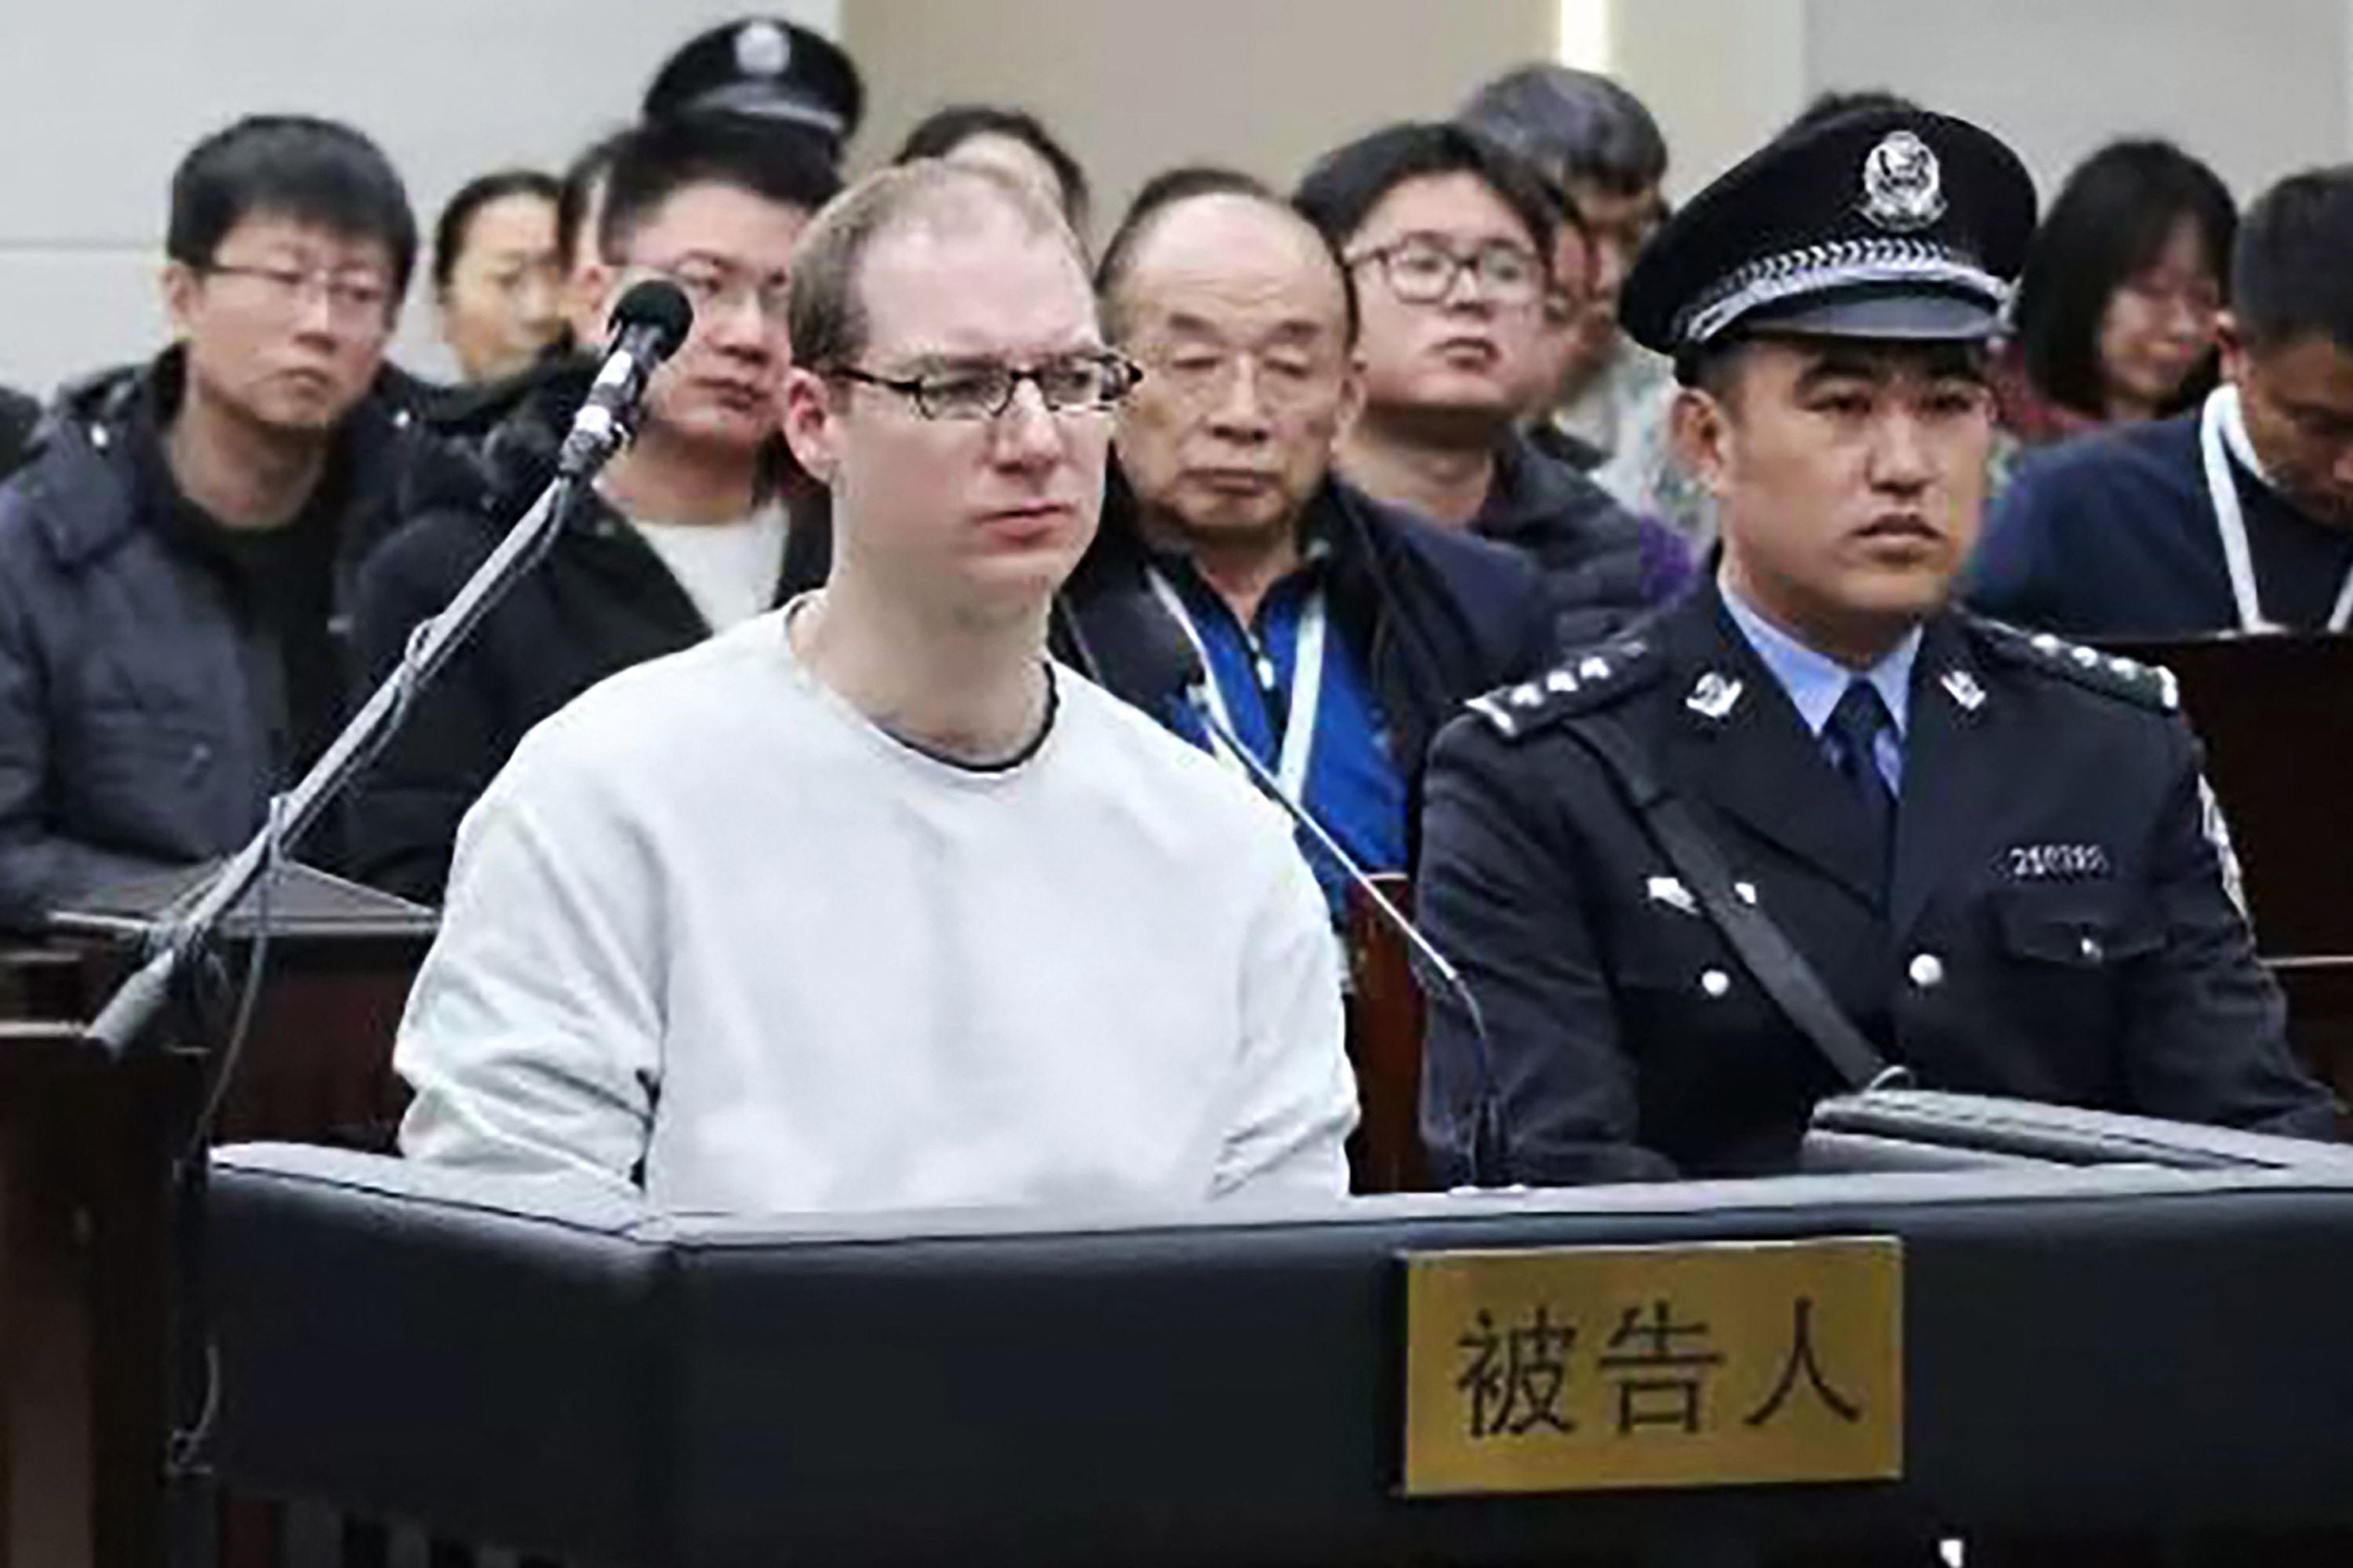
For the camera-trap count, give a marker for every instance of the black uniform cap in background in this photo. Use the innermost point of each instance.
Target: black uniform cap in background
(766, 68)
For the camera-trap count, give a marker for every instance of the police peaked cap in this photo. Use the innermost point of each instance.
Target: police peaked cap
(764, 67)
(1882, 223)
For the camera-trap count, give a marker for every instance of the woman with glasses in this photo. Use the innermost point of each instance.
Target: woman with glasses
(2114, 318)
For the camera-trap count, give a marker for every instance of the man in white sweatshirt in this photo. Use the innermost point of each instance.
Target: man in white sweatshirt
(866, 904)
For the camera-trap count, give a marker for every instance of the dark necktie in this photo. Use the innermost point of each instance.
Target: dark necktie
(1853, 731)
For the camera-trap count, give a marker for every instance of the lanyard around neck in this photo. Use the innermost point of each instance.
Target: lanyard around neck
(1306, 684)
(2220, 412)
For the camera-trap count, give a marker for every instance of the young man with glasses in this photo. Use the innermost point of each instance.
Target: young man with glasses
(866, 904)
(176, 563)
(1450, 241)
(700, 524)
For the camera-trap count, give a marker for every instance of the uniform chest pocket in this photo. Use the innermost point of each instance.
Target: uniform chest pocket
(2084, 929)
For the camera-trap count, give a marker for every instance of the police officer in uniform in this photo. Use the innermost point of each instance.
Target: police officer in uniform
(1813, 821)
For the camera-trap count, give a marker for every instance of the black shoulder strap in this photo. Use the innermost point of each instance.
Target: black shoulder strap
(1769, 955)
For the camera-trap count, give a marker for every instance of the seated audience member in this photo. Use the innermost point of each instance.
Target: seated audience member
(19, 417)
(1597, 146)
(176, 563)
(689, 531)
(1335, 634)
(1986, 855)
(768, 69)
(1449, 240)
(496, 273)
(1011, 141)
(2235, 515)
(866, 904)
(464, 415)
(2115, 314)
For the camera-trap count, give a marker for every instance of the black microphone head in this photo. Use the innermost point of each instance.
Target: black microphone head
(657, 308)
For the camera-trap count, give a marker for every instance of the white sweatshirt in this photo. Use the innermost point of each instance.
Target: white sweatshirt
(713, 926)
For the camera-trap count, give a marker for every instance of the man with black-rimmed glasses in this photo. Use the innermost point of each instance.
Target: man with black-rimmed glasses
(867, 904)
(176, 561)
(1450, 241)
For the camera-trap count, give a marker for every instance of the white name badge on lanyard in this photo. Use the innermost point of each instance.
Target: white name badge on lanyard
(1306, 686)
(2221, 412)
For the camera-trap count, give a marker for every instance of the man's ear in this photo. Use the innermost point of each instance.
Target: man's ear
(1701, 428)
(1352, 391)
(589, 296)
(2231, 342)
(812, 424)
(179, 283)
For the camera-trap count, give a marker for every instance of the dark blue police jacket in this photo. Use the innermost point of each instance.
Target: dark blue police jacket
(2056, 925)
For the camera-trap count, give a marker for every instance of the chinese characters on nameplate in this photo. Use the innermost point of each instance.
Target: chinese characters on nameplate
(1716, 1364)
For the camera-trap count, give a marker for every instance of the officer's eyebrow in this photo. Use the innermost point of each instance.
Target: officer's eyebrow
(1879, 363)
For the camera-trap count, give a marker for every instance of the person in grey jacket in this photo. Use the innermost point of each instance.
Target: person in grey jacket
(175, 560)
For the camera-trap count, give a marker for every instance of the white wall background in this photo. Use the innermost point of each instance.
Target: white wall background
(2256, 88)
(99, 99)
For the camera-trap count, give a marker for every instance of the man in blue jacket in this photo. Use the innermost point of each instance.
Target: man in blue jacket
(2237, 516)
(1335, 634)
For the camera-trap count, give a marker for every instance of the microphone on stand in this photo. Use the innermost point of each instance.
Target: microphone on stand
(1183, 671)
(647, 324)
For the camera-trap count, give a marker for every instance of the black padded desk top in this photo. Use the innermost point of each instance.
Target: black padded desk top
(2086, 1349)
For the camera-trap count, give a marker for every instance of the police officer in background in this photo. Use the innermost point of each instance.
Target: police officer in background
(1813, 821)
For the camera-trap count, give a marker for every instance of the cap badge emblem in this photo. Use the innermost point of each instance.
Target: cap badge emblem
(1903, 187)
(762, 49)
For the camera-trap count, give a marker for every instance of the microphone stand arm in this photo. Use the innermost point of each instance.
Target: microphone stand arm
(132, 1010)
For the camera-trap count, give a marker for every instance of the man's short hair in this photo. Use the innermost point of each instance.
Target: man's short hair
(1172, 188)
(1572, 125)
(312, 171)
(575, 195)
(2292, 269)
(943, 130)
(654, 161)
(1346, 184)
(825, 312)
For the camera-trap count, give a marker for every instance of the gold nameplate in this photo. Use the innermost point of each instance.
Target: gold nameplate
(1719, 1364)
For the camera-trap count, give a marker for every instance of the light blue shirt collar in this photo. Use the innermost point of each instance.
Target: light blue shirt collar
(1814, 681)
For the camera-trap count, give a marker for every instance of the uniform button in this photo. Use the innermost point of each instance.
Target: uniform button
(1717, 984)
(1928, 970)
(2089, 946)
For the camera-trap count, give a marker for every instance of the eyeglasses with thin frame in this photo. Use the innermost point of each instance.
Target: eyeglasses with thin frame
(1074, 384)
(348, 295)
(1422, 271)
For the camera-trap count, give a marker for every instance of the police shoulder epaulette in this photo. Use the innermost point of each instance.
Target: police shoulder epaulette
(2150, 686)
(1590, 678)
